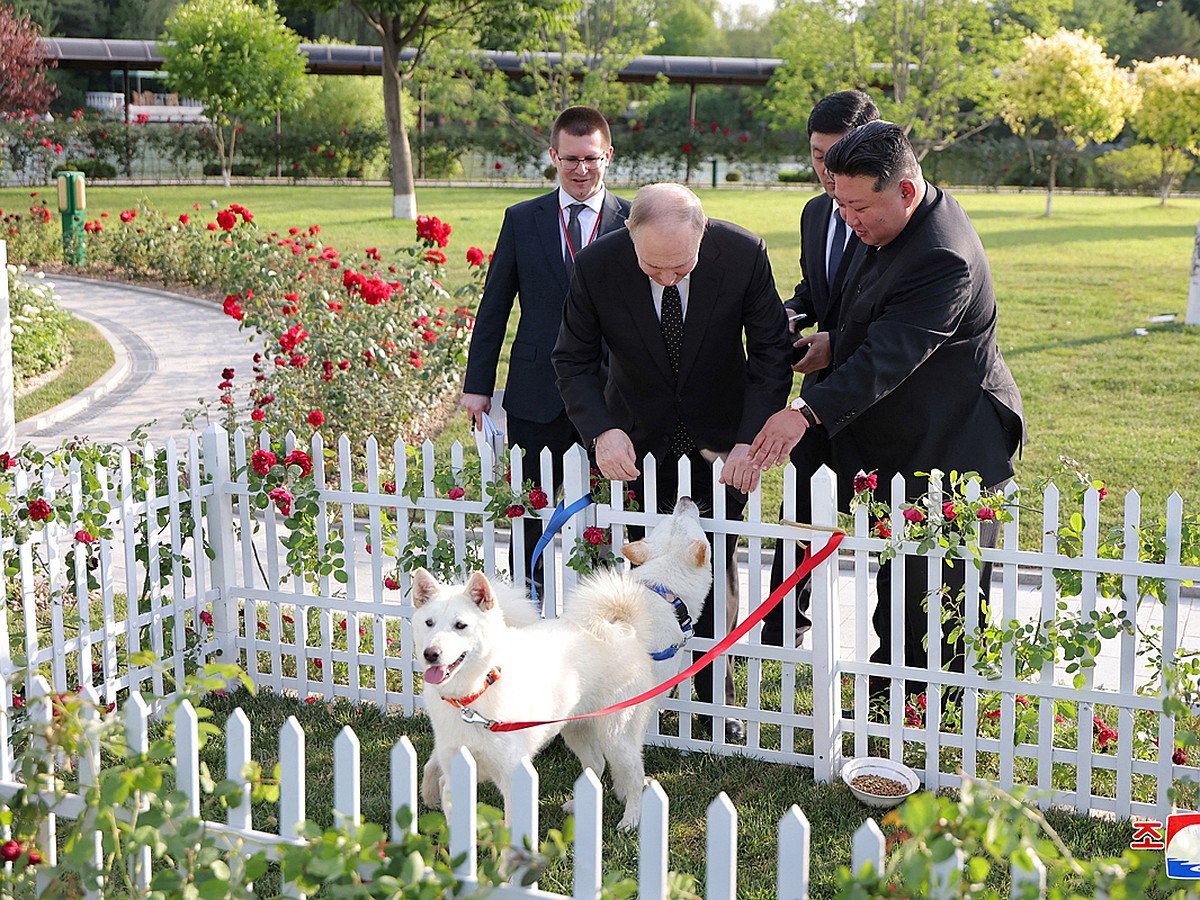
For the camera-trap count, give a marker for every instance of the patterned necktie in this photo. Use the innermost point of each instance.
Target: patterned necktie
(574, 236)
(836, 251)
(671, 323)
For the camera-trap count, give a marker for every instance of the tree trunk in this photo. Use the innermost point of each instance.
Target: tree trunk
(1051, 181)
(404, 197)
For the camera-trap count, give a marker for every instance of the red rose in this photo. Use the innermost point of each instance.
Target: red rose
(914, 515)
(1103, 492)
(389, 487)
(257, 415)
(456, 493)
(282, 499)
(391, 584)
(227, 373)
(10, 851)
(986, 513)
(206, 618)
(474, 256)
(84, 536)
(300, 459)
(435, 256)
(226, 219)
(593, 535)
(538, 498)
(864, 482)
(948, 510)
(687, 148)
(128, 215)
(232, 308)
(1179, 757)
(262, 460)
(515, 511)
(7, 461)
(39, 510)
(430, 337)
(316, 418)
(211, 226)
(184, 218)
(883, 528)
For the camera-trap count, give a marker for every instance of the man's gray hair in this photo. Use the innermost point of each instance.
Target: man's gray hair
(669, 205)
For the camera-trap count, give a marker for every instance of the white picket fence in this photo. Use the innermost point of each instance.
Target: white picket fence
(238, 832)
(210, 580)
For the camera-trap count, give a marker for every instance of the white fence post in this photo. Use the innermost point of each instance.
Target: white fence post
(652, 842)
(589, 869)
(826, 673)
(720, 872)
(794, 855)
(219, 527)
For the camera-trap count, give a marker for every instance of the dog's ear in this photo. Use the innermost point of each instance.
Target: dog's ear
(424, 587)
(637, 552)
(479, 589)
(699, 554)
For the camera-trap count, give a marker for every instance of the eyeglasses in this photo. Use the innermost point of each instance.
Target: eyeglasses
(570, 163)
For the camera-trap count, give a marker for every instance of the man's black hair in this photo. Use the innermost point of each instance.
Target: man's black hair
(839, 112)
(878, 149)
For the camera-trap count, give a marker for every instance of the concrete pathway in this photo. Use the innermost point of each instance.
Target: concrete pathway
(169, 350)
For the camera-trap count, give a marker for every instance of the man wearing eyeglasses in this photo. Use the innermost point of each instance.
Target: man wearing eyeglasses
(532, 264)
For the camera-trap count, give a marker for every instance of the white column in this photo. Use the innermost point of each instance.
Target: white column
(1193, 307)
(8, 419)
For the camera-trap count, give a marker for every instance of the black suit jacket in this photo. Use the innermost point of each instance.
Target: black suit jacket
(812, 295)
(724, 393)
(918, 381)
(528, 262)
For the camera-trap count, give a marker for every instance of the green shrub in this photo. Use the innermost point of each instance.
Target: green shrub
(92, 168)
(790, 177)
(1137, 168)
(733, 176)
(241, 170)
(39, 326)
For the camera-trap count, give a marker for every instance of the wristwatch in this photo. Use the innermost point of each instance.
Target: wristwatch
(801, 406)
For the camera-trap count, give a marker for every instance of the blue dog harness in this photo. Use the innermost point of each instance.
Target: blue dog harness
(681, 615)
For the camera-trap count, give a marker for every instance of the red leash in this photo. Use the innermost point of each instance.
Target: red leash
(806, 565)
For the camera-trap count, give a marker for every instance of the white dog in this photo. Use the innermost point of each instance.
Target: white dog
(597, 654)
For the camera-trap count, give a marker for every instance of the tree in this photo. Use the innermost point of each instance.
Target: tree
(1067, 91)
(417, 26)
(23, 86)
(239, 60)
(689, 28)
(1114, 23)
(1170, 113)
(823, 50)
(1168, 31)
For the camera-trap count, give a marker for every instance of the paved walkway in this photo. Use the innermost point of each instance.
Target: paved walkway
(170, 350)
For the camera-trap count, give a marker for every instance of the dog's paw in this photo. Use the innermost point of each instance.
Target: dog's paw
(431, 785)
(630, 821)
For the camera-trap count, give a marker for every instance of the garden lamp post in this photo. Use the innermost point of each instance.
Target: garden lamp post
(72, 204)
(713, 161)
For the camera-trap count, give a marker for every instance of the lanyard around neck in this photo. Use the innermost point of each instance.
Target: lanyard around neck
(591, 237)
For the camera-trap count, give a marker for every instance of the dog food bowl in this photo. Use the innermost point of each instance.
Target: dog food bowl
(885, 782)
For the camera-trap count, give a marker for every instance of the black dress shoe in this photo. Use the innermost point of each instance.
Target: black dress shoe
(735, 731)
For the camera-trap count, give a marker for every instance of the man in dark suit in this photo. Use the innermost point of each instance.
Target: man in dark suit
(533, 258)
(671, 297)
(918, 381)
(826, 248)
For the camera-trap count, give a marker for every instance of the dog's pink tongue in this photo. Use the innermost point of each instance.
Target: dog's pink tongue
(435, 674)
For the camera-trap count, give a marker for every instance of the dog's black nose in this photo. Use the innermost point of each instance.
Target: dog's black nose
(431, 655)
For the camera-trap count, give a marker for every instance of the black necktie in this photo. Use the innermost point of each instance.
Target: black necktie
(836, 251)
(574, 236)
(671, 323)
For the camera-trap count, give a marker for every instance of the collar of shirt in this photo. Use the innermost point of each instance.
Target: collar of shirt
(656, 291)
(588, 218)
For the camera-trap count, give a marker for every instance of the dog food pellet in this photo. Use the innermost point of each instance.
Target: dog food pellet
(880, 786)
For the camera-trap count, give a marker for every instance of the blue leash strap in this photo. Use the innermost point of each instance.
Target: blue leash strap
(561, 515)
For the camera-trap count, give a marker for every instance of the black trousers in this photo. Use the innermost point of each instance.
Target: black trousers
(808, 456)
(735, 506)
(916, 623)
(559, 435)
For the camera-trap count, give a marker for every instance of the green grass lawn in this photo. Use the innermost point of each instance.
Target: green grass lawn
(91, 357)
(1072, 289)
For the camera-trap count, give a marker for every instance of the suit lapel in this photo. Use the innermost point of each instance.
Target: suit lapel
(637, 299)
(817, 245)
(703, 292)
(548, 229)
(610, 214)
